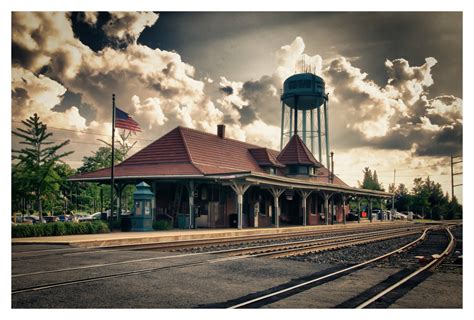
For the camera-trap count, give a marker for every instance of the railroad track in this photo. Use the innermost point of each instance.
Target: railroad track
(186, 244)
(276, 250)
(436, 260)
(260, 300)
(183, 244)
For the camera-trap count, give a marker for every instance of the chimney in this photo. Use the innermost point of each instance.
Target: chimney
(221, 131)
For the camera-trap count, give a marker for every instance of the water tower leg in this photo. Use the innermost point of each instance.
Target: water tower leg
(320, 150)
(326, 133)
(303, 115)
(311, 120)
(291, 123)
(296, 114)
(282, 123)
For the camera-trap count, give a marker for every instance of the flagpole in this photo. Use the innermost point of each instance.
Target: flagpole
(112, 160)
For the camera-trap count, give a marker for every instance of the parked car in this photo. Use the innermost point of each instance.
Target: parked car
(63, 218)
(400, 216)
(352, 216)
(51, 218)
(33, 219)
(376, 214)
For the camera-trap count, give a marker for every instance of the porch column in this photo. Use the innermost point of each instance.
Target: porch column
(326, 197)
(358, 209)
(332, 210)
(191, 188)
(304, 196)
(370, 209)
(119, 188)
(381, 210)
(276, 193)
(344, 199)
(240, 189)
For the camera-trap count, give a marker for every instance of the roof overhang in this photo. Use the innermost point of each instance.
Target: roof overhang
(256, 178)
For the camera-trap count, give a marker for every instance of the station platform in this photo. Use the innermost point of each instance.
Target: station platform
(128, 238)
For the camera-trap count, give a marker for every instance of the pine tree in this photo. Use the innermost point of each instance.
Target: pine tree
(39, 156)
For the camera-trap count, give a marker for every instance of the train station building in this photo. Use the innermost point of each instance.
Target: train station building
(204, 180)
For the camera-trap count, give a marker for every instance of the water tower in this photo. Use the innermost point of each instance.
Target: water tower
(303, 93)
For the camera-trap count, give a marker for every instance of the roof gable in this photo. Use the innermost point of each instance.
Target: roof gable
(265, 157)
(296, 152)
(212, 154)
(168, 149)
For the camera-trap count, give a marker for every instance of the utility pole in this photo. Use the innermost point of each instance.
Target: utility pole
(394, 188)
(331, 179)
(453, 162)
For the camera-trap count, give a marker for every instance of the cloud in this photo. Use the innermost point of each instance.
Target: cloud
(408, 83)
(290, 59)
(161, 91)
(227, 90)
(90, 17)
(39, 94)
(127, 26)
(149, 111)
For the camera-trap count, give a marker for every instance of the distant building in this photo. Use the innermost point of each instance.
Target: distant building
(217, 182)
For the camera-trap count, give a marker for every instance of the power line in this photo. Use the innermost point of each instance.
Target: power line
(453, 162)
(84, 132)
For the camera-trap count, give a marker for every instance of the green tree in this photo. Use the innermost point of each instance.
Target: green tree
(89, 193)
(38, 158)
(99, 159)
(370, 180)
(403, 199)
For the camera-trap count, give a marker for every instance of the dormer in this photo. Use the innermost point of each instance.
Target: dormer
(297, 158)
(267, 159)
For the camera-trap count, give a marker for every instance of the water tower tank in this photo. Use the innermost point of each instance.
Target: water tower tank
(308, 88)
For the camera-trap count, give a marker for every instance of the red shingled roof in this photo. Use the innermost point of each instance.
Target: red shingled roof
(296, 152)
(266, 157)
(184, 151)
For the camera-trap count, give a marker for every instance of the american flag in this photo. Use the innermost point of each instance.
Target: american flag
(124, 121)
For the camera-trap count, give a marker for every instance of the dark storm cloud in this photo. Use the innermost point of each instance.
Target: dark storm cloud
(227, 90)
(264, 94)
(247, 115)
(71, 99)
(92, 35)
(21, 56)
(443, 144)
(19, 98)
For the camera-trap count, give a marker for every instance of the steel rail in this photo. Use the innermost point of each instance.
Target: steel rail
(436, 260)
(355, 267)
(329, 243)
(321, 242)
(131, 273)
(335, 246)
(199, 242)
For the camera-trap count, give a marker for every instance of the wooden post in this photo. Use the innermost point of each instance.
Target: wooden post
(370, 209)
(191, 189)
(344, 198)
(304, 196)
(276, 193)
(358, 208)
(326, 206)
(240, 189)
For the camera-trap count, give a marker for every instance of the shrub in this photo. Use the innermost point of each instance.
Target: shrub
(114, 224)
(58, 229)
(162, 225)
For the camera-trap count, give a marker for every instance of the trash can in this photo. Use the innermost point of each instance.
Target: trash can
(126, 223)
(183, 221)
(233, 220)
